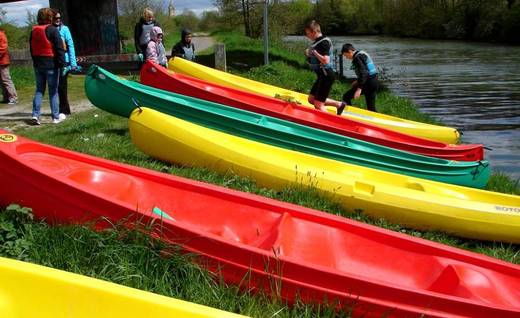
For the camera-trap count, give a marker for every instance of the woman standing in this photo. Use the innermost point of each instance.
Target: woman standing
(142, 32)
(70, 64)
(48, 58)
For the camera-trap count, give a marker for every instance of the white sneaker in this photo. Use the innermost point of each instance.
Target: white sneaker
(56, 121)
(35, 121)
(62, 116)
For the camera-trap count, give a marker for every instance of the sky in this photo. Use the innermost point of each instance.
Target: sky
(17, 11)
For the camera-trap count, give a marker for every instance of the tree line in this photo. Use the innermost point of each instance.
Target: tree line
(474, 20)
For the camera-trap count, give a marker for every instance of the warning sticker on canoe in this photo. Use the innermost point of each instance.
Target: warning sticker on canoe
(507, 208)
(7, 138)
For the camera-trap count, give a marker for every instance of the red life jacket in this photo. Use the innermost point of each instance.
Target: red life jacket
(40, 44)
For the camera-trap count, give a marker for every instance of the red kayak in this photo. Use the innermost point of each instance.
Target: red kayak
(262, 243)
(162, 78)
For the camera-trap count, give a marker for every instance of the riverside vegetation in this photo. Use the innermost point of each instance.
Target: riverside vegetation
(132, 258)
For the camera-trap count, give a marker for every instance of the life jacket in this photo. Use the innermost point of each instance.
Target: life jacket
(40, 44)
(315, 63)
(369, 63)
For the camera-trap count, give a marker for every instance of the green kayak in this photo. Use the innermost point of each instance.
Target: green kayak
(120, 96)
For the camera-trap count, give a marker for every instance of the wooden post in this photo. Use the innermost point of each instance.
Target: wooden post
(220, 57)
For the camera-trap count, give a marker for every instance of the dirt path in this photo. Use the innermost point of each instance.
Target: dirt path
(202, 42)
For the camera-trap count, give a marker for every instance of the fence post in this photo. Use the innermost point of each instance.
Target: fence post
(220, 57)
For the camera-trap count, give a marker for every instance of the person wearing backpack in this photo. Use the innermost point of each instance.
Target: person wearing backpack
(321, 61)
(366, 82)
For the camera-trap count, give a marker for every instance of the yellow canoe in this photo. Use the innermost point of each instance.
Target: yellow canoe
(428, 131)
(409, 201)
(29, 290)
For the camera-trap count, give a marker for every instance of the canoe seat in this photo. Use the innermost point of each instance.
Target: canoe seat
(111, 184)
(466, 282)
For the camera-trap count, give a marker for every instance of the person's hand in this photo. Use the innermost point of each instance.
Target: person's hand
(65, 70)
(140, 57)
(307, 52)
(77, 69)
(357, 93)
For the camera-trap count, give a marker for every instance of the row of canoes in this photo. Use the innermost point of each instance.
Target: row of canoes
(255, 242)
(259, 242)
(198, 134)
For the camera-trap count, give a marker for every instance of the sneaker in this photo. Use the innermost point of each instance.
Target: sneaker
(62, 116)
(12, 102)
(35, 121)
(56, 121)
(341, 108)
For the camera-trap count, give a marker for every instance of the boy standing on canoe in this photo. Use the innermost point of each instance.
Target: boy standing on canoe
(320, 58)
(366, 82)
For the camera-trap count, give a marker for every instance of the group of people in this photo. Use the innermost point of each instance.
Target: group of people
(320, 58)
(148, 38)
(53, 55)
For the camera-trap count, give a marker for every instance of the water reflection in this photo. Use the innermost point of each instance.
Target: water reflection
(474, 87)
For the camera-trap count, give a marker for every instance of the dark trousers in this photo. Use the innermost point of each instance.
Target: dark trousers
(62, 94)
(369, 90)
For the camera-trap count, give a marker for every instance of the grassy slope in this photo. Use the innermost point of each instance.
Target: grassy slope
(136, 261)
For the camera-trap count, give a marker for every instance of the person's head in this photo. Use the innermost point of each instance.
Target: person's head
(44, 16)
(56, 20)
(156, 34)
(312, 30)
(148, 15)
(186, 36)
(348, 50)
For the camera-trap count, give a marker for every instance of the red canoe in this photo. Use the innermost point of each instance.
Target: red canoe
(298, 251)
(161, 78)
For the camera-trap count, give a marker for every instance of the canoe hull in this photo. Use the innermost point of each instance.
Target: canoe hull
(59, 294)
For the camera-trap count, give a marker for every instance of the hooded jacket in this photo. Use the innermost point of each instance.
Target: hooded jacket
(140, 37)
(155, 50)
(184, 49)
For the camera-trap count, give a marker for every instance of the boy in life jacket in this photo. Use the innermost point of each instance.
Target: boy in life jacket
(155, 51)
(320, 58)
(366, 82)
(184, 48)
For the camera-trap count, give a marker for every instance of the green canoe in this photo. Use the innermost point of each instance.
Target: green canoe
(117, 96)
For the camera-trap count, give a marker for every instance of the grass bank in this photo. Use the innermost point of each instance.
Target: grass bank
(135, 260)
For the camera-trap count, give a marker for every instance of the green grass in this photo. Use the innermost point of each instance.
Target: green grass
(135, 260)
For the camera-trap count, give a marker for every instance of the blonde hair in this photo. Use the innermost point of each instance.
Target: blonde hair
(45, 16)
(148, 13)
(313, 26)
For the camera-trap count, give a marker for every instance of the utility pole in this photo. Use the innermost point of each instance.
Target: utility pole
(266, 33)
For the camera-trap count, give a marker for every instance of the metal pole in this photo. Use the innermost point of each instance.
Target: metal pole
(266, 33)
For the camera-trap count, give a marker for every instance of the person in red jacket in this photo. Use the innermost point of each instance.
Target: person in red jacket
(8, 89)
(48, 56)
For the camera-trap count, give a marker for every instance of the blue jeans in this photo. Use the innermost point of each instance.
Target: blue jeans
(43, 77)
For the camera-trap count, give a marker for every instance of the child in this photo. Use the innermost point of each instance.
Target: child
(155, 50)
(366, 82)
(319, 56)
(185, 48)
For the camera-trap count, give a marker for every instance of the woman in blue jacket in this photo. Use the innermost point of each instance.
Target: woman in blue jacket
(70, 64)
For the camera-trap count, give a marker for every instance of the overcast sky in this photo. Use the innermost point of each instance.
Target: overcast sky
(17, 11)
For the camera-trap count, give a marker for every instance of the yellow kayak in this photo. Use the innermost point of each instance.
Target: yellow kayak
(427, 131)
(29, 290)
(414, 202)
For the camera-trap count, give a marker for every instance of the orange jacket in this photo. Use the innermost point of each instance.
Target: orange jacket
(4, 52)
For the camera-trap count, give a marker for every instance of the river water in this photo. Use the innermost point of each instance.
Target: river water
(474, 87)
